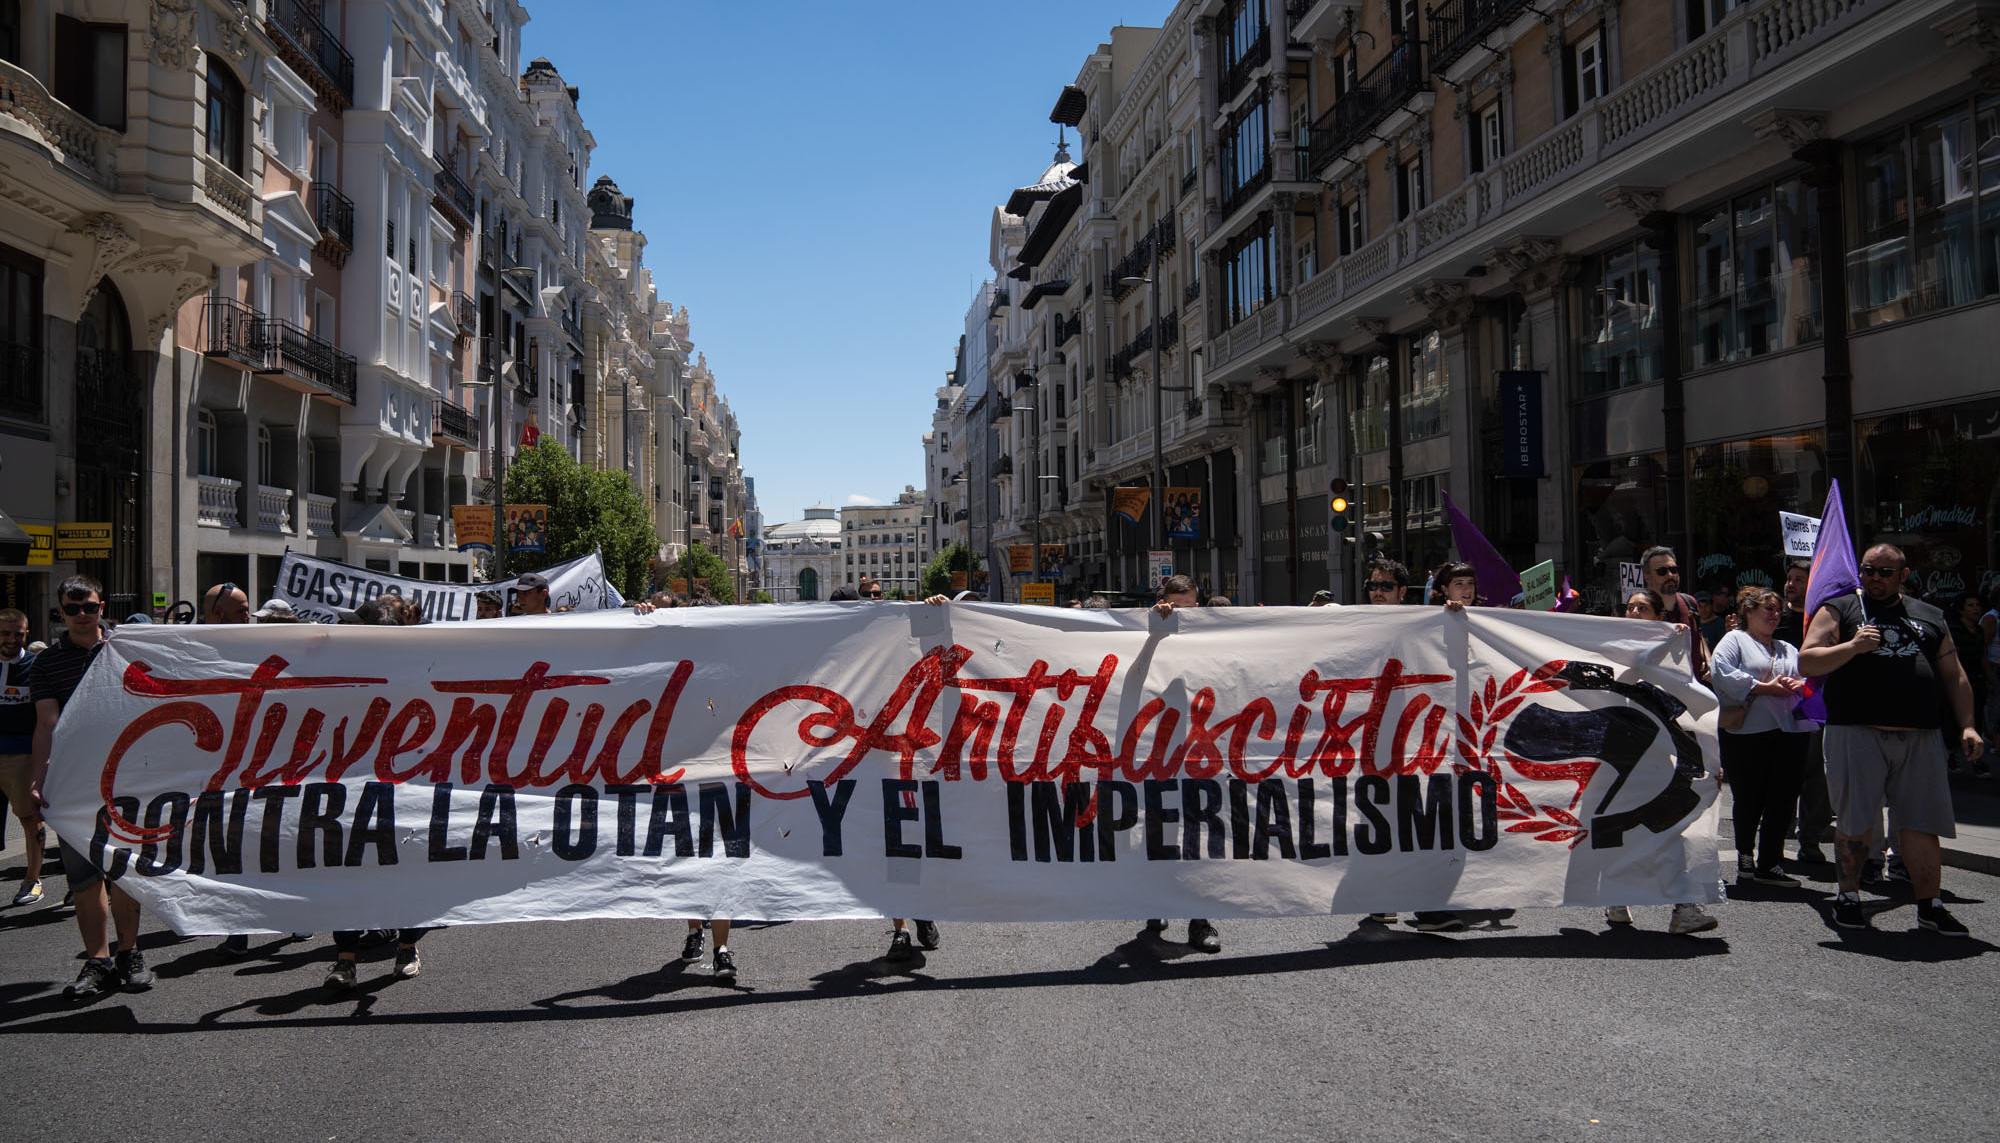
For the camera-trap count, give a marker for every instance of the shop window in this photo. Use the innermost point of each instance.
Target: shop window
(1929, 482)
(1425, 389)
(1753, 273)
(1621, 508)
(1371, 420)
(89, 72)
(1621, 343)
(1927, 217)
(225, 115)
(1735, 492)
(1271, 434)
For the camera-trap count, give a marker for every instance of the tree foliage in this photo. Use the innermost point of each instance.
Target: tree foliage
(953, 557)
(588, 511)
(699, 563)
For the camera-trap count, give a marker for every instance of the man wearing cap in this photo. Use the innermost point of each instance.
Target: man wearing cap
(531, 595)
(275, 611)
(489, 605)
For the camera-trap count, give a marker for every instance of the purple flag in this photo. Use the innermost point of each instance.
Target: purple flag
(1569, 598)
(1498, 582)
(1833, 573)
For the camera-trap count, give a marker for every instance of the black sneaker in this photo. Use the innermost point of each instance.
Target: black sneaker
(927, 934)
(1811, 855)
(725, 965)
(1202, 936)
(1155, 928)
(132, 971)
(900, 947)
(1746, 865)
(97, 977)
(1775, 876)
(691, 949)
(233, 947)
(1939, 920)
(1871, 872)
(1848, 914)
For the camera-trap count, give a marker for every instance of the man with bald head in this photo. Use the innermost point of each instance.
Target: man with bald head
(225, 603)
(1890, 671)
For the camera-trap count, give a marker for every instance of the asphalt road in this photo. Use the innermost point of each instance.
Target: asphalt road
(1542, 1026)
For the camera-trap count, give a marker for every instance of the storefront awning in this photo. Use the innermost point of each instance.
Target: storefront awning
(15, 544)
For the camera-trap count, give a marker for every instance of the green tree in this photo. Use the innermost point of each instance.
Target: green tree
(953, 557)
(588, 511)
(761, 596)
(699, 563)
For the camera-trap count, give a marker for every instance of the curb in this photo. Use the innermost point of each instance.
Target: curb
(1988, 863)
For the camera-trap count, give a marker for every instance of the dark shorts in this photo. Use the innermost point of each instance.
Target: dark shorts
(77, 868)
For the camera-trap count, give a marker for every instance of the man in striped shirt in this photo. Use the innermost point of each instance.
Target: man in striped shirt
(57, 673)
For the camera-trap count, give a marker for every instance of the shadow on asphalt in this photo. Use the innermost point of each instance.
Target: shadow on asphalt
(673, 989)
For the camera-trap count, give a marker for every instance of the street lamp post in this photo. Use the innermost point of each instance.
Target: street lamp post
(1152, 279)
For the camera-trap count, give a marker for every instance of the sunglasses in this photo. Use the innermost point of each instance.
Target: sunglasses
(1874, 572)
(85, 608)
(1381, 585)
(1670, 569)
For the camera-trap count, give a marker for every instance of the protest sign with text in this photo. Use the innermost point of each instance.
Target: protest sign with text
(969, 761)
(327, 591)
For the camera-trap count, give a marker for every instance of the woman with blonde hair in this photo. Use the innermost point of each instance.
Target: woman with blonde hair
(1764, 751)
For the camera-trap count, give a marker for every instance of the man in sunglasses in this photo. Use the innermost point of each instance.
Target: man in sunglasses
(1387, 581)
(58, 671)
(1890, 668)
(1663, 575)
(225, 603)
(870, 589)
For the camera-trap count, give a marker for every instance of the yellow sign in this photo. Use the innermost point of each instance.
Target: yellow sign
(1130, 502)
(1038, 593)
(473, 524)
(83, 541)
(44, 552)
(1020, 557)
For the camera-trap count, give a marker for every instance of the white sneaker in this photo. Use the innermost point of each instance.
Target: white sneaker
(1618, 915)
(1691, 919)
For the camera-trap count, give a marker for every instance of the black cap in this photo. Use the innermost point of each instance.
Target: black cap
(531, 581)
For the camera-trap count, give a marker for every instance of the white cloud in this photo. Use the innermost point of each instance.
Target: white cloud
(858, 498)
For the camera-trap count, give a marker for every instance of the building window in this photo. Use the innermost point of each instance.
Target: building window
(1425, 389)
(391, 224)
(10, 31)
(1305, 255)
(1621, 343)
(22, 395)
(1426, 540)
(1410, 188)
(1704, 15)
(1350, 226)
(207, 460)
(1487, 144)
(1246, 269)
(1927, 215)
(1584, 61)
(1753, 272)
(264, 454)
(225, 116)
(1243, 27)
(1345, 71)
(1371, 419)
(1245, 150)
(90, 70)
(1734, 490)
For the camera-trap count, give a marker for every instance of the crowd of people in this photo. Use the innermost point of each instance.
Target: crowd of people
(1903, 687)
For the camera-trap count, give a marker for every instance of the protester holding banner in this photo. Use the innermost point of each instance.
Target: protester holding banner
(99, 905)
(1765, 755)
(1890, 666)
(1387, 581)
(1663, 577)
(1179, 592)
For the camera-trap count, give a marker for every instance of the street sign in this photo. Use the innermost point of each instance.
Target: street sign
(1162, 564)
(159, 601)
(1038, 593)
(83, 541)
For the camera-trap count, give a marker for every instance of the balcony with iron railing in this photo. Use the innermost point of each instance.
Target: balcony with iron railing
(570, 326)
(292, 352)
(454, 424)
(1140, 258)
(235, 332)
(465, 313)
(1236, 74)
(21, 387)
(333, 213)
(1386, 88)
(489, 251)
(453, 197)
(1458, 26)
(311, 48)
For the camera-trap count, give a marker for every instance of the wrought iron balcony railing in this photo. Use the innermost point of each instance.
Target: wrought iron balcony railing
(452, 194)
(311, 47)
(1458, 26)
(290, 350)
(454, 423)
(1387, 86)
(235, 332)
(333, 213)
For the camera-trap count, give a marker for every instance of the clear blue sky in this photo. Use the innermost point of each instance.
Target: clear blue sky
(816, 181)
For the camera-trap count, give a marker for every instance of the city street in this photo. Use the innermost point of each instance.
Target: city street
(1541, 1026)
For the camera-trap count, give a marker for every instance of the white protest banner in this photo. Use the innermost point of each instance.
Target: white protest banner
(967, 762)
(1800, 532)
(1538, 587)
(327, 591)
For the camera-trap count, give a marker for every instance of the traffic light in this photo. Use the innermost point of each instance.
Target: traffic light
(1340, 507)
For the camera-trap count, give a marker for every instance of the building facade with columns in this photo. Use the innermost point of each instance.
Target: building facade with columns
(1608, 274)
(885, 543)
(1614, 274)
(802, 558)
